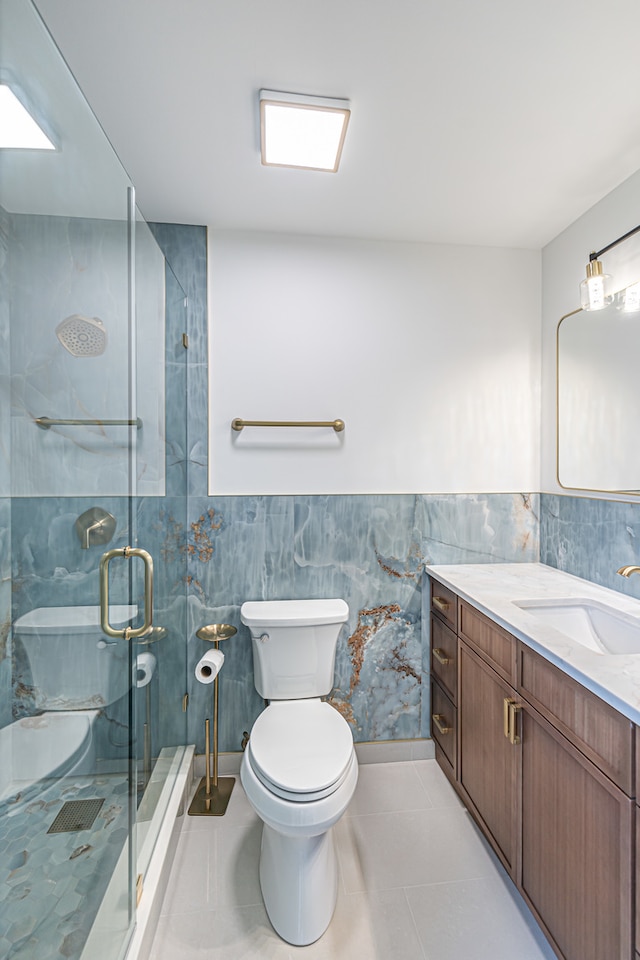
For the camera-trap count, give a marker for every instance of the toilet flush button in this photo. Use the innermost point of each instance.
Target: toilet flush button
(263, 637)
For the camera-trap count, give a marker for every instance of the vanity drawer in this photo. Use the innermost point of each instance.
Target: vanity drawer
(444, 603)
(494, 644)
(444, 657)
(603, 735)
(444, 721)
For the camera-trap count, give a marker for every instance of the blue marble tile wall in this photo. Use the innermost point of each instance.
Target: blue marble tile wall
(49, 568)
(591, 538)
(62, 268)
(371, 551)
(185, 248)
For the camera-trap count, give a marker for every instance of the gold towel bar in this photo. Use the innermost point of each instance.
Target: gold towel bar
(46, 422)
(239, 424)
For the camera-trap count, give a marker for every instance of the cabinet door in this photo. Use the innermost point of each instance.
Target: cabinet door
(576, 846)
(488, 760)
(444, 658)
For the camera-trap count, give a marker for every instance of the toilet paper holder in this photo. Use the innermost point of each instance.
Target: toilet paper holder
(212, 796)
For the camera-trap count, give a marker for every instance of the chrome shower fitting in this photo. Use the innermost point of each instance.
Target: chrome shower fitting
(82, 336)
(95, 527)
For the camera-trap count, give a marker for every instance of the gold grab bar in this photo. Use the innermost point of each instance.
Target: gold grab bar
(239, 424)
(46, 422)
(105, 560)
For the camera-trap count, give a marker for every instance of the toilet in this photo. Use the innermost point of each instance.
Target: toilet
(75, 672)
(299, 769)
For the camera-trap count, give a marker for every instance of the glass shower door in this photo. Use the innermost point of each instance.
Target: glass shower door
(68, 458)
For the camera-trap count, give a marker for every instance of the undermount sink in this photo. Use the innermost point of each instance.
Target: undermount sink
(596, 626)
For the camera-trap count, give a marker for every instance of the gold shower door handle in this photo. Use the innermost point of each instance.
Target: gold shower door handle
(127, 553)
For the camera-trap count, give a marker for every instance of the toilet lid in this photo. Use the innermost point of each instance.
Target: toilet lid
(301, 746)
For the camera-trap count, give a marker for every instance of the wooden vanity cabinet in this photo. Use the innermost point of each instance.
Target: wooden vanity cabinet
(488, 759)
(444, 677)
(577, 842)
(547, 770)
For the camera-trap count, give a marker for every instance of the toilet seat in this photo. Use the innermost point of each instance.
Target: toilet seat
(300, 750)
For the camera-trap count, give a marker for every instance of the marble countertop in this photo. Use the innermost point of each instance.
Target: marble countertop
(493, 588)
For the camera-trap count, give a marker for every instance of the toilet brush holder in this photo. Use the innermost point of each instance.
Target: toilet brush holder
(212, 796)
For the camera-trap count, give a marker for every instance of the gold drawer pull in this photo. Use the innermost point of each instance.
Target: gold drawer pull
(440, 604)
(441, 657)
(511, 709)
(440, 723)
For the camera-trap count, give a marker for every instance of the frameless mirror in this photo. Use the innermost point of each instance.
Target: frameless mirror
(598, 396)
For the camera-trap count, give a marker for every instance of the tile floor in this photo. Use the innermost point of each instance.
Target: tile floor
(417, 882)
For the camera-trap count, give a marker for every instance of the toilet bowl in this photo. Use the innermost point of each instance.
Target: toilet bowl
(74, 672)
(299, 770)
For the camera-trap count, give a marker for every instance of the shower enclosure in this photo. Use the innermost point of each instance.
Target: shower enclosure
(92, 468)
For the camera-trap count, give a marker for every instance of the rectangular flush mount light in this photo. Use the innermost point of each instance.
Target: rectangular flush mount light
(18, 129)
(298, 131)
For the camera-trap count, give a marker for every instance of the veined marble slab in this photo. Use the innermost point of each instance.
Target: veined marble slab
(493, 588)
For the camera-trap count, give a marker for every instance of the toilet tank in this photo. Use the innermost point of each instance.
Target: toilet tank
(73, 665)
(294, 645)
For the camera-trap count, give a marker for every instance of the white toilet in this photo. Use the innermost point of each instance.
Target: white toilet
(75, 672)
(299, 769)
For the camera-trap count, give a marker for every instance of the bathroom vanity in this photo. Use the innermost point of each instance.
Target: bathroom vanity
(535, 702)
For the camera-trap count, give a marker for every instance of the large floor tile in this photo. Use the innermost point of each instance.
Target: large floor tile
(439, 790)
(386, 850)
(241, 933)
(237, 863)
(387, 787)
(479, 919)
(367, 926)
(192, 882)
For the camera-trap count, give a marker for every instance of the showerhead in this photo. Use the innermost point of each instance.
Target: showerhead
(82, 336)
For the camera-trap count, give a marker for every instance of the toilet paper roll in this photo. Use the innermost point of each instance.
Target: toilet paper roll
(143, 669)
(209, 666)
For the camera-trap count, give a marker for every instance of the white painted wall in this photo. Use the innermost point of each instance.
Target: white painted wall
(429, 353)
(563, 268)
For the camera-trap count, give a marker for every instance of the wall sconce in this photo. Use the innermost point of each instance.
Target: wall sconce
(596, 290)
(304, 132)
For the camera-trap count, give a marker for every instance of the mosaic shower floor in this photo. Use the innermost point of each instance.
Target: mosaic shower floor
(51, 885)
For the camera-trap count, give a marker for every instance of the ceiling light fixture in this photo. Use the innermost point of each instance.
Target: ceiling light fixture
(18, 129)
(596, 291)
(304, 132)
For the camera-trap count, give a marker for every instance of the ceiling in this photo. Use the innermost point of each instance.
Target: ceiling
(494, 123)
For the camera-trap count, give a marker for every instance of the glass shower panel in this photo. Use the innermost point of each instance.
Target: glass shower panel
(67, 780)
(160, 516)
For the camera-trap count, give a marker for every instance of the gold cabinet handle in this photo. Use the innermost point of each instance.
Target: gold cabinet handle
(440, 604)
(514, 710)
(441, 657)
(511, 709)
(440, 723)
(105, 560)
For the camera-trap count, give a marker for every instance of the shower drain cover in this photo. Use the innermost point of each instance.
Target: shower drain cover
(76, 815)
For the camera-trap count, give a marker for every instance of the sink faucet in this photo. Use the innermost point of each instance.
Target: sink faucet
(627, 571)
